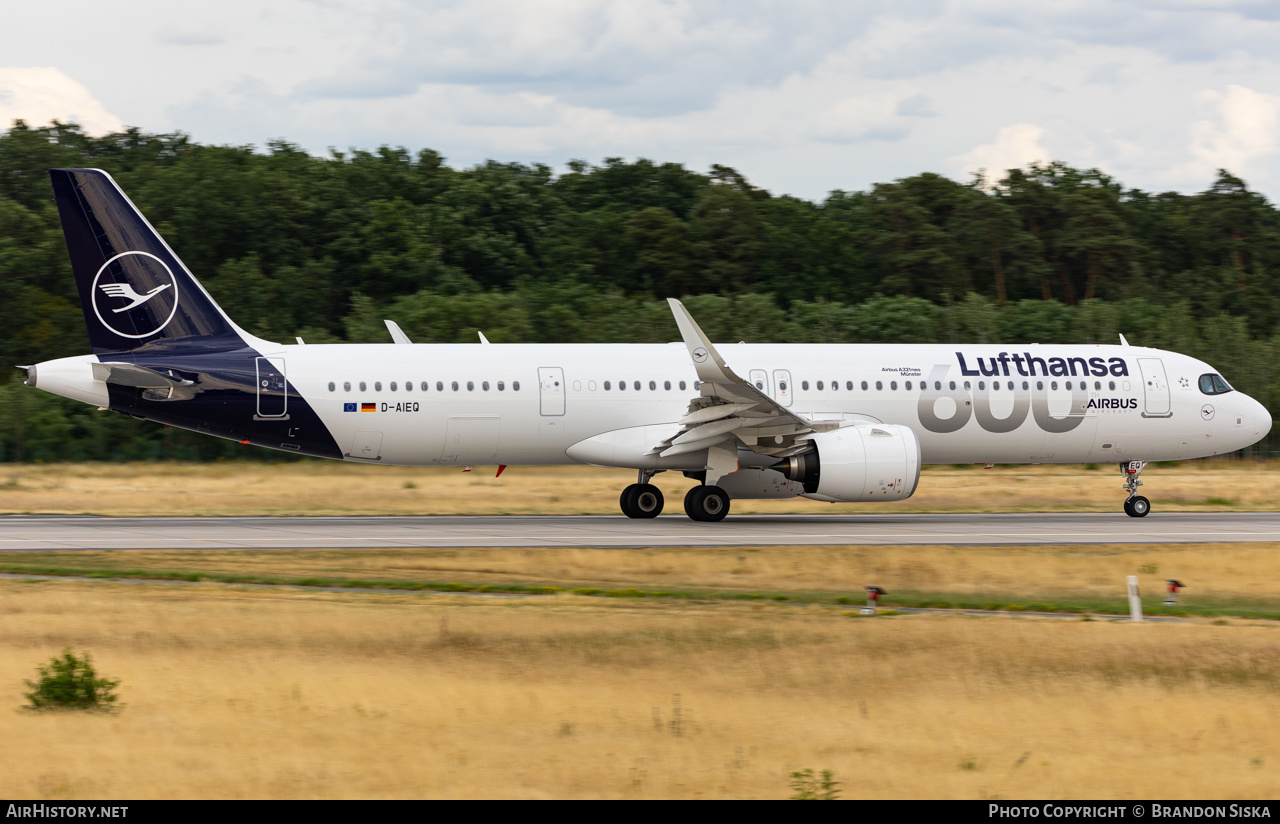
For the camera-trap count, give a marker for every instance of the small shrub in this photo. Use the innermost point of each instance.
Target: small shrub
(1149, 569)
(70, 683)
(809, 787)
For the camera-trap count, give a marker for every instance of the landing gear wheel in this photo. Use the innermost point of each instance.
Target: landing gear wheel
(1137, 507)
(706, 503)
(647, 501)
(641, 501)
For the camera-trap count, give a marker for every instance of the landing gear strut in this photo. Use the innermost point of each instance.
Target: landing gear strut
(1135, 506)
(643, 499)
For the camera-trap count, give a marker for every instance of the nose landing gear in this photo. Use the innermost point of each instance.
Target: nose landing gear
(1135, 506)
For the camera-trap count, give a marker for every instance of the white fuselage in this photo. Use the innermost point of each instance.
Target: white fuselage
(1145, 405)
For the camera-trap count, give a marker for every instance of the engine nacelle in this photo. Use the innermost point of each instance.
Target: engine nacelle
(868, 462)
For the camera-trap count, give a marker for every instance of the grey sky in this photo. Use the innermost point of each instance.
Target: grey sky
(803, 96)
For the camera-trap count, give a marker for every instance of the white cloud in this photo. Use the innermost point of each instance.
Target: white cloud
(1244, 133)
(1015, 147)
(39, 95)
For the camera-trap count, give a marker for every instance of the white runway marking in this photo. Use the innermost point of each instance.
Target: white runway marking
(33, 533)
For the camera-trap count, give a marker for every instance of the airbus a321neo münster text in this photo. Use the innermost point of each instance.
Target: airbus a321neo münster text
(831, 422)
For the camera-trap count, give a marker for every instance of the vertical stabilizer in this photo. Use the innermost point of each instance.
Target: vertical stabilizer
(134, 290)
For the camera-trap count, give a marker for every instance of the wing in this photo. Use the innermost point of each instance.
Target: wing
(729, 410)
(119, 290)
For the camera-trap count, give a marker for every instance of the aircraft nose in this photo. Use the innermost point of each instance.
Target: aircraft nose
(1262, 419)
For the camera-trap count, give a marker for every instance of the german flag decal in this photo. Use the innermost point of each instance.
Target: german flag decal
(368, 407)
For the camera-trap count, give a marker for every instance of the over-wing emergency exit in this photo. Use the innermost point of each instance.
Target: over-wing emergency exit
(830, 422)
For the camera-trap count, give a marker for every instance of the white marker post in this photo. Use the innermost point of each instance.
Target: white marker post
(1135, 602)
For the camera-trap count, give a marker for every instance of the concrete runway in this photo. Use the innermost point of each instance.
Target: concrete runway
(28, 533)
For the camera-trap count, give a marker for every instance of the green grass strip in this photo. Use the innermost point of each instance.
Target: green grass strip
(901, 599)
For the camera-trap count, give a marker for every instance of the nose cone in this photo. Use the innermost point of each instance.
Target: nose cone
(1261, 420)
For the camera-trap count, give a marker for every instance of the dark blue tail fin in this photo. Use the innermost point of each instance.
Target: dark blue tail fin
(133, 289)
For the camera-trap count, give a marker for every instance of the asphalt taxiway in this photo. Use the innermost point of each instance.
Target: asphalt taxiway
(28, 533)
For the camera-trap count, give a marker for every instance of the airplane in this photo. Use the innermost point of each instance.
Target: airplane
(828, 422)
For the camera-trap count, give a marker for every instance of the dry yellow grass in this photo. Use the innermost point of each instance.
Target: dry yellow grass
(1216, 573)
(251, 693)
(315, 488)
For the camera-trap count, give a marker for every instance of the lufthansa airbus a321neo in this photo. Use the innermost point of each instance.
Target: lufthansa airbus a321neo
(831, 422)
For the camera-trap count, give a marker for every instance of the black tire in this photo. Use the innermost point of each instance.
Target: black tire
(627, 501)
(1127, 509)
(707, 503)
(689, 507)
(647, 501)
(1139, 506)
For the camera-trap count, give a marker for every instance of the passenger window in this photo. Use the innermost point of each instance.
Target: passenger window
(1025, 386)
(1053, 385)
(362, 385)
(515, 386)
(485, 386)
(908, 386)
(408, 386)
(471, 386)
(893, 384)
(682, 386)
(393, 386)
(377, 386)
(1010, 386)
(1068, 384)
(440, 386)
(782, 385)
(967, 387)
(606, 386)
(455, 386)
(666, 385)
(1039, 386)
(760, 385)
(636, 386)
(937, 385)
(697, 385)
(879, 385)
(622, 386)
(981, 385)
(848, 385)
(1097, 384)
(835, 385)
(804, 385)
(346, 386)
(332, 386)
(425, 386)
(1111, 385)
(653, 385)
(819, 386)
(952, 386)
(501, 386)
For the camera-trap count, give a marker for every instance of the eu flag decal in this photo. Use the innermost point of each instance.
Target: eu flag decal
(348, 407)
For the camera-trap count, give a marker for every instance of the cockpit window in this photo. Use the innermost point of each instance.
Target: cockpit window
(1214, 385)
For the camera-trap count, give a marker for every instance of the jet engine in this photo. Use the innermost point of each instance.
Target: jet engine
(868, 462)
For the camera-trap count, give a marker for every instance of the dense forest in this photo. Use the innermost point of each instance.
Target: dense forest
(325, 247)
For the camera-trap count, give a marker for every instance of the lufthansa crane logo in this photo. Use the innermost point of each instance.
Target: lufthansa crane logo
(135, 294)
(700, 354)
(1206, 412)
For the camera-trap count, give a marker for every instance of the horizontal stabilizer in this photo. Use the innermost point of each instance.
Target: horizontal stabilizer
(127, 374)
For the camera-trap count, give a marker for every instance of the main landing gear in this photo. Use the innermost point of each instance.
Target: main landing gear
(643, 499)
(706, 503)
(1135, 506)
